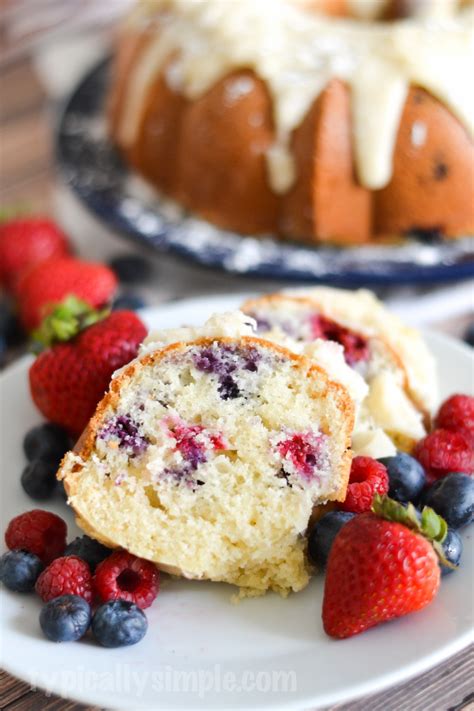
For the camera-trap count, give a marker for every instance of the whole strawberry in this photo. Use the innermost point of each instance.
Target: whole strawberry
(51, 281)
(382, 565)
(25, 242)
(68, 379)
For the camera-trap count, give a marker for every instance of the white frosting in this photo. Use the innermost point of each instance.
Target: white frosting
(419, 132)
(372, 443)
(330, 356)
(297, 53)
(391, 409)
(232, 324)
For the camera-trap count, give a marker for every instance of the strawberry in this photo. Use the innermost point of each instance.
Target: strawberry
(68, 379)
(383, 564)
(25, 242)
(51, 281)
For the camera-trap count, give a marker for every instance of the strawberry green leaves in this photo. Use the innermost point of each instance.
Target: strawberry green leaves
(428, 524)
(66, 320)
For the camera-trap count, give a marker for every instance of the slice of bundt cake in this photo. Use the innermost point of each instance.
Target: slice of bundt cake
(207, 457)
(392, 359)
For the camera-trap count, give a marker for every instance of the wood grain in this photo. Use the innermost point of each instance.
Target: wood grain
(27, 175)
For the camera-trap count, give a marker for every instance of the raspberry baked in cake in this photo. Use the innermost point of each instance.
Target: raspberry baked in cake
(208, 455)
(391, 358)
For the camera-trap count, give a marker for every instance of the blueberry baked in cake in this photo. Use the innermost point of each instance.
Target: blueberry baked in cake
(207, 456)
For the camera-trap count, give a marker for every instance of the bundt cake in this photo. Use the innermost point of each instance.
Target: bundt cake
(275, 117)
(393, 359)
(207, 456)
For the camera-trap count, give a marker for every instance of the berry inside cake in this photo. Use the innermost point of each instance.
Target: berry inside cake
(208, 456)
(393, 405)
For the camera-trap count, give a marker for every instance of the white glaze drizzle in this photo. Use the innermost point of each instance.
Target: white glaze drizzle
(297, 53)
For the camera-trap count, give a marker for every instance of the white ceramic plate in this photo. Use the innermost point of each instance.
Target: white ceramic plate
(201, 651)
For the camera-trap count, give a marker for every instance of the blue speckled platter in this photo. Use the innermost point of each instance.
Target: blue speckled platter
(95, 172)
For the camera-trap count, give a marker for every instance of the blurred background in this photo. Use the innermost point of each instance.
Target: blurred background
(47, 46)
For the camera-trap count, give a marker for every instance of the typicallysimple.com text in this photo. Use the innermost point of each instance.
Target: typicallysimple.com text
(128, 679)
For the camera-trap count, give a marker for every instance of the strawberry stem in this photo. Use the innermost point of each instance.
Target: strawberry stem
(428, 524)
(65, 321)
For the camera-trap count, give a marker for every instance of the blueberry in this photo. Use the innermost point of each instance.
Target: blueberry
(125, 429)
(89, 550)
(11, 331)
(228, 388)
(65, 618)
(452, 547)
(429, 235)
(406, 476)
(469, 334)
(39, 479)
(212, 360)
(323, 534)
(128, 302)
(46, 441)
(452, 497)
(131, 268)
(14, 333)
(119, 623)
(4, 317)
(19, 570)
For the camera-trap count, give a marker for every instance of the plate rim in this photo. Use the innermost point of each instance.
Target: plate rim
(352, 693)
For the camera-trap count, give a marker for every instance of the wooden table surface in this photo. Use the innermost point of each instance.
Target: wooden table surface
(27, 176)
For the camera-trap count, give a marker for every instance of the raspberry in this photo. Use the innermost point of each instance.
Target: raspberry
(124, 576)
(39, 532)
(368, 477)
(303, 453)
(457, 414)
(68, 575)
(442, 452)
(356, 347)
